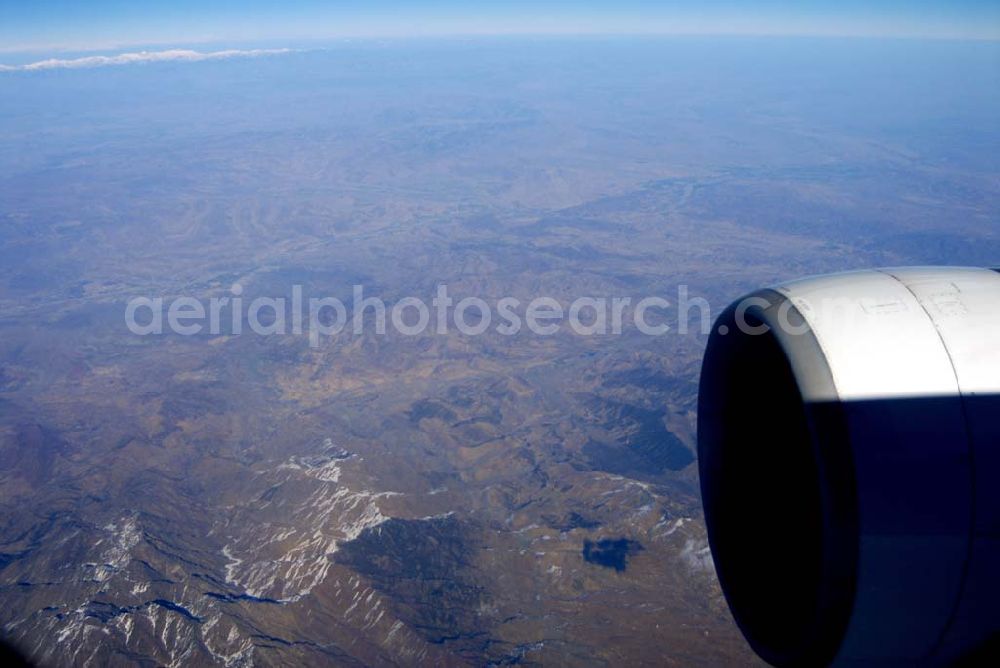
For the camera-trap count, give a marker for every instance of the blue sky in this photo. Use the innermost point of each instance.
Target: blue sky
(40, 25)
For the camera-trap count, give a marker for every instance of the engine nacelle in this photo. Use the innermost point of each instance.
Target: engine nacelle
(849, 452)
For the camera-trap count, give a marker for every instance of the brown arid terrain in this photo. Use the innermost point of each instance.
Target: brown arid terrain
(439, 499)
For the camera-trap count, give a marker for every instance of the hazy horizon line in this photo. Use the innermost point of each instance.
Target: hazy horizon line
(290, 42)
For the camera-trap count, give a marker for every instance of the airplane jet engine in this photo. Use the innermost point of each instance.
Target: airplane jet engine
(849, 453)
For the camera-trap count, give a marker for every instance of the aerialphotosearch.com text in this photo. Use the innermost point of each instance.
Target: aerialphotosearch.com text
(319, 318)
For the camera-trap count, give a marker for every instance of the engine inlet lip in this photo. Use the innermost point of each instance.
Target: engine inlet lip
(812, 633)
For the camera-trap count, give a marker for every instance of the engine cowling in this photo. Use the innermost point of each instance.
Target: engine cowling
(849, 453)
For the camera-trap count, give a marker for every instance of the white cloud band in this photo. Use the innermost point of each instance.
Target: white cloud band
(184, 55)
